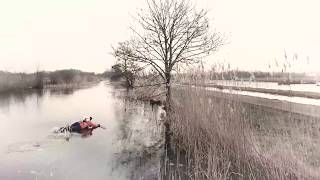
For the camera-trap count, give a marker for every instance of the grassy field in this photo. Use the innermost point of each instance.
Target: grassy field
(217, 138)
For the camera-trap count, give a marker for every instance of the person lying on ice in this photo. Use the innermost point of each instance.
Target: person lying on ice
(81, 126)
(85, 124)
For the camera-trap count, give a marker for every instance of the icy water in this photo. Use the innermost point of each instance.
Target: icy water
(29, 150)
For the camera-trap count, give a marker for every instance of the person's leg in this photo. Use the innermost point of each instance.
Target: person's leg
(62, 130)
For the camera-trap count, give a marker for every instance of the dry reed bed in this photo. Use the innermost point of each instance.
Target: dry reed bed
(220, 141)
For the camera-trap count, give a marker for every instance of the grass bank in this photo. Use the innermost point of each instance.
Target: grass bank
(217, 138)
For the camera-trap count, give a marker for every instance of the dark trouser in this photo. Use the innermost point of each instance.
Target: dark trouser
(75, 127)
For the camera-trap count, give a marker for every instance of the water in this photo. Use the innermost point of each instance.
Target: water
(29, 150)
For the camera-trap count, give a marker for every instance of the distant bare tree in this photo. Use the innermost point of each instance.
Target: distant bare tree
(171, 32)
(126, 64)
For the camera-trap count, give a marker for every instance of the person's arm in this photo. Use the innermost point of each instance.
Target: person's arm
(92, 125)
(102, 126)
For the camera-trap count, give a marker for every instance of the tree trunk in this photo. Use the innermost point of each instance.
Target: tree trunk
(168, 150)
(168, 89)
(168, 96)
(167, 123)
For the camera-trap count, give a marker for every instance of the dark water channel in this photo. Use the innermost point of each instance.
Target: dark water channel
(130, 147)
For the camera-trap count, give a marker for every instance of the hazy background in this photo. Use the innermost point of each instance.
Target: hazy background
(57, 34)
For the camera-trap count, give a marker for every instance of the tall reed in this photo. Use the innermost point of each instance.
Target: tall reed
(217, 139)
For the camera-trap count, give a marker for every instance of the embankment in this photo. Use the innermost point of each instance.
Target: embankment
(289, 93)
(303, 109)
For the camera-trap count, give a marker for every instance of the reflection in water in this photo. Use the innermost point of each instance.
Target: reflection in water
(18, 97)
(140, 140)
(86, 133)
(21, 96)
(64, 91)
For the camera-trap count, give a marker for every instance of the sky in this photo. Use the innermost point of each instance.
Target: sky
(58, 34)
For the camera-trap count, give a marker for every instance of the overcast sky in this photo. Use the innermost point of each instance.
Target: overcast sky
(57, 34)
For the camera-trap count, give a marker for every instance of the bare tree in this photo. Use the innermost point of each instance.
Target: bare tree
(171, 32)
(128, 66)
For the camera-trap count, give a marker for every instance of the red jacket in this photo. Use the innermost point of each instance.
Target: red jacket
(87, 124)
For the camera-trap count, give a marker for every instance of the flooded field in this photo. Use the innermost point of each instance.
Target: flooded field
(130, 147)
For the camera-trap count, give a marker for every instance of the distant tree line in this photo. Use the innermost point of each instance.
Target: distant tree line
(14, 81)
(70, 76)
